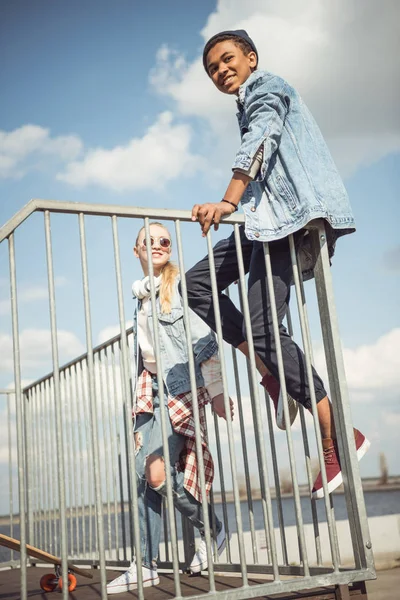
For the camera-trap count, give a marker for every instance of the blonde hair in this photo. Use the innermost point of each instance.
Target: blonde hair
(169, 273)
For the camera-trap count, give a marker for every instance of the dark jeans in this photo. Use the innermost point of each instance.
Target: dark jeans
(233, 331)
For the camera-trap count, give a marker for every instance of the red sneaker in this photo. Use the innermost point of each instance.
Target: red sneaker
(273, 388)
(332, 463)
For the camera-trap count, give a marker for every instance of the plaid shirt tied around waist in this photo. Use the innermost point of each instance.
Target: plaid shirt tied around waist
(181, 415)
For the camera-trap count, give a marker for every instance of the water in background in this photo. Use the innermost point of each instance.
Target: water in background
(377, 503)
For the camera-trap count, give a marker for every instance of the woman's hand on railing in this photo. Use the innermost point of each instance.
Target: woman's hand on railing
(218, 406)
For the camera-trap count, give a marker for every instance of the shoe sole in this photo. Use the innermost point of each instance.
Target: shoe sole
(338, 480)
(293, 410)
(132, 586)
(203, 566)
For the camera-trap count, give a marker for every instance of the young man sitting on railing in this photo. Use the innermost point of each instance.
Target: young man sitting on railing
(284, 177)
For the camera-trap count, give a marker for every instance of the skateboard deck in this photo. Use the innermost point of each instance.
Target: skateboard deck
(52, 581)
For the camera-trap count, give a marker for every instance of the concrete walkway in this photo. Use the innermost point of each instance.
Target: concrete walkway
(386, 587)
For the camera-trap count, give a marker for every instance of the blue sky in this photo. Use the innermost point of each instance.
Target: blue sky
(107, 102)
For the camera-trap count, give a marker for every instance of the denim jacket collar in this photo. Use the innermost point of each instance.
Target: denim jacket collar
(242, 89)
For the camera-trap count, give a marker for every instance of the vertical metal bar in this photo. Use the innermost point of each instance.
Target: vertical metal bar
(101, 388)
(57, 400)
(126, 391)
(10, 472)
(245, 457)
(296, 495)
(29, 467)
(74, 424)
(259, 435)
(214, 286)
(222, 485)
(18, 399)
(341, 408)
(306, 446)
(308, 357)
(80, 468)
(111, 434)
(35, 475)
(54, 464)
(89, 449)
(50, 451)
(119, 457)
(93, 410)
(164, 416)
(44, 469)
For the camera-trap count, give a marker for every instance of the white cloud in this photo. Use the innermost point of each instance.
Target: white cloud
(371, 369)
(23, 149)
(161, 155)
(35, 348)
(109, 332)
(325, 51)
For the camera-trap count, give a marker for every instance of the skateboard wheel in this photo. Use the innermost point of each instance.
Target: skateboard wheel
(71, 582)
(49, 582)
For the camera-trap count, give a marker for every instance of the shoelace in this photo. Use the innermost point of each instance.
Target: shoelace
(330, 455)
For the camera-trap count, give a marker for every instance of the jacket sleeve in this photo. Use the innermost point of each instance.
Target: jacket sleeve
(266, 106)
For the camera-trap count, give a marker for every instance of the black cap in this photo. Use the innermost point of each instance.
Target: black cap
(239, 33)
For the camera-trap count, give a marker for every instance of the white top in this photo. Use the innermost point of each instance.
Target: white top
(210, 369)
(145, 339)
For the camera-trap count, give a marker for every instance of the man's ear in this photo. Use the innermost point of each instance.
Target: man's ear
(135, 252)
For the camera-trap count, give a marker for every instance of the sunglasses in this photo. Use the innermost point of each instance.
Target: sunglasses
(163, 241)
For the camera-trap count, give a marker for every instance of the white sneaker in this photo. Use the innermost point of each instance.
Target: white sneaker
(128, 580)
(199, 562)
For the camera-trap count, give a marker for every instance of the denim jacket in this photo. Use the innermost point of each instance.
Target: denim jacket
(173, 346)
(298, 180)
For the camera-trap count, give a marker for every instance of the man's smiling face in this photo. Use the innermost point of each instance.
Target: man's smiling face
(229, 67)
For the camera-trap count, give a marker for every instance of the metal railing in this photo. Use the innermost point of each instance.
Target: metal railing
(70, 440)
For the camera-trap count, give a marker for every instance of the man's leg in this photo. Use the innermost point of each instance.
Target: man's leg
(262, 325)
(199, 290)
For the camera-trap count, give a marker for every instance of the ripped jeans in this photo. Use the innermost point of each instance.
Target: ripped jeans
(148, 441)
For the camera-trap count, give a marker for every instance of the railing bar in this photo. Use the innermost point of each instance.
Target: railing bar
(30, 469)
(341, 409)
(53, 470)
(93, 409)
(313, 502)
(79, 466)
(163, 413)
(57, 399)
(196, 408)
(75, 454)
(50, 455)
(113, 452)
(106, 445)
(127, 395)
(37, 535)
(214, 287)
(282, 381)
(45, 471)
(223, 492)
(245, 456)
(308, 356)
(69, 471)
(266, 501)
(118, 451)
(10, 473)
(275, 469)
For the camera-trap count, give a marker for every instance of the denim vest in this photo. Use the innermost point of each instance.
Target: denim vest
(173, 346)
(298, 180)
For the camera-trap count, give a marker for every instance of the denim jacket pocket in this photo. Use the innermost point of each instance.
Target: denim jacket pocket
(284, 190)
(173, 322)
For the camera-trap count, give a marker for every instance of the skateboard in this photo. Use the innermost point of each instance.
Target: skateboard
(50, 581)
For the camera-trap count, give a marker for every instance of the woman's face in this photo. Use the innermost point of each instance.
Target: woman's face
(160, 251)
